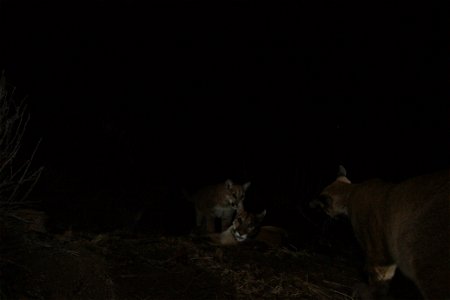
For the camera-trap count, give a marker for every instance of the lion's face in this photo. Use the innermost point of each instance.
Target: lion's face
(332, 200)
(235, 193)
(332, 204)
(246, 225)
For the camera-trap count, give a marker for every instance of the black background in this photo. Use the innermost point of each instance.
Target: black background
(132, 96)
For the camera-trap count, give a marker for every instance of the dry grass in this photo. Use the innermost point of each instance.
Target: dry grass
(126, 266)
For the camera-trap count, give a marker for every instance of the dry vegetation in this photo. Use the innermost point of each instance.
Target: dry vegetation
(17, 178)
(131, 266)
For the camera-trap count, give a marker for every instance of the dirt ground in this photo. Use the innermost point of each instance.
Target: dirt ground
(36, 264)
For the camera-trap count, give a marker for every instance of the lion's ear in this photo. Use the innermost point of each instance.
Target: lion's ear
(229, 184)
(261, 216)
(342, 171)
(342, 175)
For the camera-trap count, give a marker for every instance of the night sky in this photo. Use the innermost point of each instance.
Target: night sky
(187, 93)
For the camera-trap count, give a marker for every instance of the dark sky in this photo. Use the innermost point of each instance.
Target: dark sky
(198, 91)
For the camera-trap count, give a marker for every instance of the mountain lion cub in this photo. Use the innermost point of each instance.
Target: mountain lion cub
(404, 225)
(218, 201)
(245, 226)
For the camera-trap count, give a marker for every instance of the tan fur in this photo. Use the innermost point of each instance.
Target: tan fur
(404, 225)
(245, 226)
(271, 236)
(218, 201)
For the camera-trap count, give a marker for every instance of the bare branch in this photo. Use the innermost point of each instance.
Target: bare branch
(17, 180)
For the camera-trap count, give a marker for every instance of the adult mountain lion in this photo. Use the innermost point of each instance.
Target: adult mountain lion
(404, 225)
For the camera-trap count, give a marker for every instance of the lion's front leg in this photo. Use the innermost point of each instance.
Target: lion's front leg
(379, 278)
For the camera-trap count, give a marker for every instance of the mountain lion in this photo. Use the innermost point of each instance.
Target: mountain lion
(218, 201)
(245, 226)
(404, 225)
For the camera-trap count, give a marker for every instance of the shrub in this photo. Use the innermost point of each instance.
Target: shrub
(17, 177)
